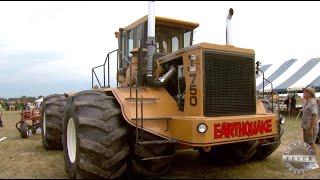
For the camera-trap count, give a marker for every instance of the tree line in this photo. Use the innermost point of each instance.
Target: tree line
(17, 103)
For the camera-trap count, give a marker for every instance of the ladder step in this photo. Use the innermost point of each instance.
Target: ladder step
(270, 143)
(157, 142)
(144, 100)
(153, 118)
(157, 157)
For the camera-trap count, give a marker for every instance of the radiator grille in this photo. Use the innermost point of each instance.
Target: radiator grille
(229, 84)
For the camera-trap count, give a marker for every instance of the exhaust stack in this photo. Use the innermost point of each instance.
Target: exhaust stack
(228, 26)
(151, 45)
(151, 20)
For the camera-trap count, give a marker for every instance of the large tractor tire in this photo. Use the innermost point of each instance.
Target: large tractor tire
(53, 108)
(230, 154)
(150, 168)
(268, 146)
(94, 137)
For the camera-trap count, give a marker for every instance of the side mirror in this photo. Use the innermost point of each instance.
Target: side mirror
(258, 64)
(117, 34)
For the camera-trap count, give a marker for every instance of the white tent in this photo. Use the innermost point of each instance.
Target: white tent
(299, 74)
(307, 78)
(288, 73)
(268, 72)
(38, 102)
(281, 69)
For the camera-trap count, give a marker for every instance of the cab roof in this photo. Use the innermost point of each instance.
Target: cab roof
(164, 21)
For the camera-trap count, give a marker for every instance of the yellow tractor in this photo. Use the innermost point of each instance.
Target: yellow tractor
(169, 95)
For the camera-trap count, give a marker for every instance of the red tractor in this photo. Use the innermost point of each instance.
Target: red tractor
(29, 122)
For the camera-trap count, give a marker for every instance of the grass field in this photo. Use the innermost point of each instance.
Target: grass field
(26, 158)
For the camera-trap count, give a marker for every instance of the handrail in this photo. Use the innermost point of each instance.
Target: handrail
(107, 61)
(264, 79)
(138, 92)
(271, 92)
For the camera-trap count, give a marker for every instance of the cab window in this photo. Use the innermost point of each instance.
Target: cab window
(187, 39)
(175, 44)
(129, 42)
(134, 38)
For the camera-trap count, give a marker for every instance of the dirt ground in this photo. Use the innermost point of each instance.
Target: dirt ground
(26, 158)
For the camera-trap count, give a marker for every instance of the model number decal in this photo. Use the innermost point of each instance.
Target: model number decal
(193, 86)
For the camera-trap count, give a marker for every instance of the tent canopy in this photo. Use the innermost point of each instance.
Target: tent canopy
(277, 73)
(39, 100)
(292, 74)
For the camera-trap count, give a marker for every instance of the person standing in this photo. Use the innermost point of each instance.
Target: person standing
(318, 137)
(309, 122)
(1, 123)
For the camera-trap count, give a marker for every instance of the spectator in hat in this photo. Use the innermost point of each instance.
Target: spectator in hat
(309, 121)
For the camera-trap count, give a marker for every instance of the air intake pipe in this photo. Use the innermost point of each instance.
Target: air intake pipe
(228, 26)
(151, 46)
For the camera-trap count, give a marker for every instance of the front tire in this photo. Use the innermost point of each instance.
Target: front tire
(230, 154)
(263, 151)
(94, 139)
(268, 146)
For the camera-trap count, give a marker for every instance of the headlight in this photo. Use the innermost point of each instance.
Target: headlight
(202, 128)
(282, 120)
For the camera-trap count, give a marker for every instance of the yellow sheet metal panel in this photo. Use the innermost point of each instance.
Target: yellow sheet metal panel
(162, 116)
(224, 129)
(184, 128)
(193, 71)
(206, 46)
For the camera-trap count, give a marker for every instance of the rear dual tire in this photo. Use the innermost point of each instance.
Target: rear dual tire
(53, 108)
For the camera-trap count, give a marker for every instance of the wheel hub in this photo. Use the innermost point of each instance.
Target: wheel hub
(44, 123)
(71, 140)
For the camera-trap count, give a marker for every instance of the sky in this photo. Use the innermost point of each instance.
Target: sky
(50, 47)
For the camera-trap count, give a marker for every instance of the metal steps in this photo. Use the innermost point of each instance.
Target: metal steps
(142, 143)
(157, 142)
(153, 118)
(157, 157)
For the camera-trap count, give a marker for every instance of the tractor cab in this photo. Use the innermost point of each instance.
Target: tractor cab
(170, 35)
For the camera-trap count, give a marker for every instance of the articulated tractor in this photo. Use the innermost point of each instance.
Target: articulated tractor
(170, 95)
